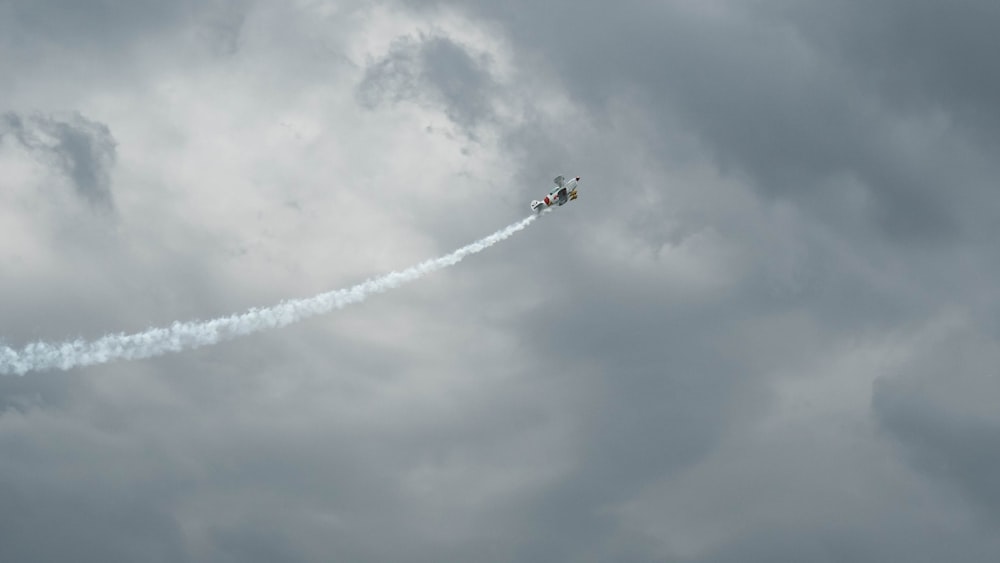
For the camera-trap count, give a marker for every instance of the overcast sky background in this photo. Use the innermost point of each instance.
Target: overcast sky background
(767, 330)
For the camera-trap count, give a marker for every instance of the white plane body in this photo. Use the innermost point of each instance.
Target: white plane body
(562, 194)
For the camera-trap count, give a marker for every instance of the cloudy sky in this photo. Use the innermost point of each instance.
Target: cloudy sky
(767, 331)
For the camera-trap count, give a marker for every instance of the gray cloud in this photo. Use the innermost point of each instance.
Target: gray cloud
(97, 25)
(890, 178)
(959, 449)
(82, 149)
(938, 411)
(773, 101)
(740, 344)
(434, 69)
(923, 55)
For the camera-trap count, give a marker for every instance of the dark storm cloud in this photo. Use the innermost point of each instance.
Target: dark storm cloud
(923, 55)
(82, 149)
(772, 101)
(663, 397)
(870, 120)
(958, 448)
(436, 68)
(63, 519)
(851, 542)
(939, 410)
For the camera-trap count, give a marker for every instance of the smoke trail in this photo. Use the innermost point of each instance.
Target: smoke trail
(194, 334)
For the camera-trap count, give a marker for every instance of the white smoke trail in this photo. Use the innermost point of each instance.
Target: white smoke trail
(194, 334)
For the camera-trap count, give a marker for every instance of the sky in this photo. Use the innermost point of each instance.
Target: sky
(766, 331)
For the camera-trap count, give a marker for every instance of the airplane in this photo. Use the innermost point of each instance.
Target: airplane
(564, 192)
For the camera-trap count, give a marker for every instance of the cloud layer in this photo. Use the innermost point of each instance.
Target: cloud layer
(766, 330)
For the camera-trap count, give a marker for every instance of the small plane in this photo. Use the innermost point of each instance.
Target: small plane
(564, 192)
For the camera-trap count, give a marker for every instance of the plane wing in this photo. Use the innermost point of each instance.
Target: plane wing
(559, 181)
(561, 195)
